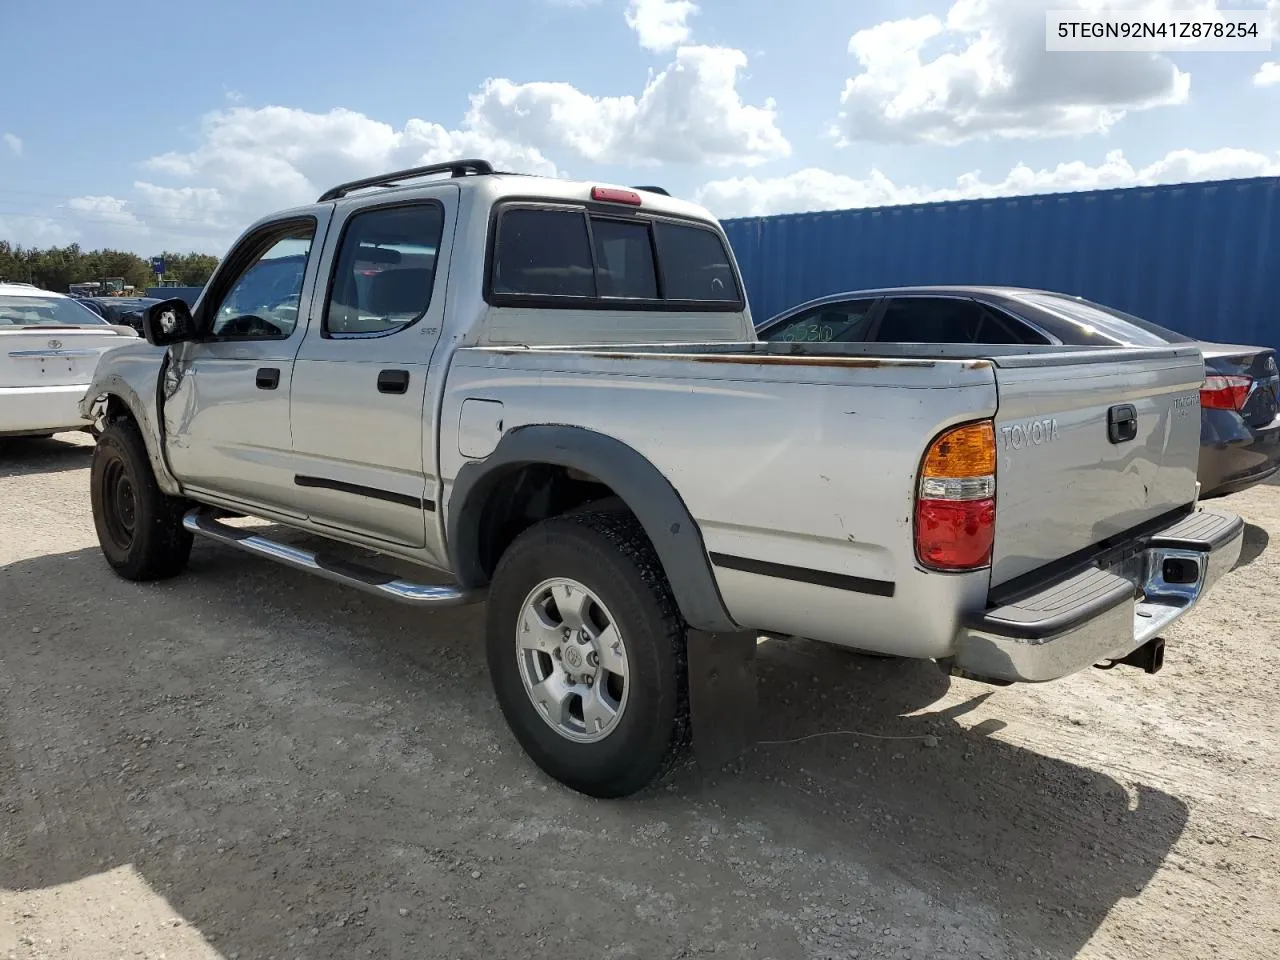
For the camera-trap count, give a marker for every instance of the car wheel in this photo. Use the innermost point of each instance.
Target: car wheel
(139, 526)
(586, 652)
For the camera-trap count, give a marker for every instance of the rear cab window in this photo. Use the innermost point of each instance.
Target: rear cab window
(548, 255)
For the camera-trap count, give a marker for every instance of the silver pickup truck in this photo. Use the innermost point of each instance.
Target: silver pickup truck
(552, 393)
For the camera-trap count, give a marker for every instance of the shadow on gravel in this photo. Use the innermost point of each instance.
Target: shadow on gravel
(1048, 846)
(24, 456)
(303, 771)
(1256, 540)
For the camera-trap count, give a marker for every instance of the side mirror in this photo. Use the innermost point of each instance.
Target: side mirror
(168, 321)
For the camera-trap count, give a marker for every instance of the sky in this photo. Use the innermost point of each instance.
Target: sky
(150, 126)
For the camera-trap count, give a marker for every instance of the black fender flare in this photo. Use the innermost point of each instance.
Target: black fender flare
(641, 486)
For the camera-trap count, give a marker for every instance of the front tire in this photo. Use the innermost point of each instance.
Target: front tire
(586, 652)
(139, 526)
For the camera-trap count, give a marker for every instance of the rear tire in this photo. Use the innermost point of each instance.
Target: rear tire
(139, 526)
(614, 713)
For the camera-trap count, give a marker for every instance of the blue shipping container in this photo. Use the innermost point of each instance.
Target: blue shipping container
(1202, 258)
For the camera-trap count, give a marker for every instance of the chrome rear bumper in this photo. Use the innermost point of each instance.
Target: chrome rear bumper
(1102, 612)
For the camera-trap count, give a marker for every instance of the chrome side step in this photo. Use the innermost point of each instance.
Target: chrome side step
(205, 523)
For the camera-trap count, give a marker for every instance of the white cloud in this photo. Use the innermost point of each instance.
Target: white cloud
(691, 112)
(1268, 74)
(815, 189)
(109, 210)
(983, 72)
(189, 217)
(294, 154)
(660, 25)
(252, 161)
(14, 143)
(159, 218)
(36, 231)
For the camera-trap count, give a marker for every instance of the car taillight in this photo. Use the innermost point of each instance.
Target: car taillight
(956, 499)
(1225, 393)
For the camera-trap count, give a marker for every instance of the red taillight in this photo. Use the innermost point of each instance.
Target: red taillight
(955, 534)
(1225, 393)
(615, 195)
(956, 500)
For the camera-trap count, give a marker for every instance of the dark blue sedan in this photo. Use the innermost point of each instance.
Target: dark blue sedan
(1240, 414)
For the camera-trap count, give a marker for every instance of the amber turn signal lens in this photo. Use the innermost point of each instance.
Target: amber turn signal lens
(967, 451)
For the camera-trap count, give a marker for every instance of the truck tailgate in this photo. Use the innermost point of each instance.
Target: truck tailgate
(1090, 446)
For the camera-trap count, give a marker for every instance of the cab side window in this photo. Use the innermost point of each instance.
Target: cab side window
(385, 270)
(831, 323)
(263, 301)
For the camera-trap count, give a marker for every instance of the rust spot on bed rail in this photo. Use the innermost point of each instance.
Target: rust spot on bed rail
(797, 361)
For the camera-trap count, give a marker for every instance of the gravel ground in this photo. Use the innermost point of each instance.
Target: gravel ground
(248, 763)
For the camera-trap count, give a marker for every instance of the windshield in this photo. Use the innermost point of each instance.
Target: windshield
(34, 311)
(1108, 322)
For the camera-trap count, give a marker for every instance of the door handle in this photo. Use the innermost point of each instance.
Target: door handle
(393, 381)
(1122, 423)
(268, 378)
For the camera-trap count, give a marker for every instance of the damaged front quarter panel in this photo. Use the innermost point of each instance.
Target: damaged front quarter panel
(125, 383)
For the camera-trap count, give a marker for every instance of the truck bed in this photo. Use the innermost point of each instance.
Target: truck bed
(801, 461)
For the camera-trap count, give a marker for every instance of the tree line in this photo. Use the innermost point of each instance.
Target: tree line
(56, 268)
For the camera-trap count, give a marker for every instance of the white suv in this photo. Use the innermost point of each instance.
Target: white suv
(49, 348)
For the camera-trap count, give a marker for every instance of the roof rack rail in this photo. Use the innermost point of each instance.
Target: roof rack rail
(653, 190)
(456, 168)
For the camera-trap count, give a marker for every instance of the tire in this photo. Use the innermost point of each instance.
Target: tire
(609, 556)
(139, 527)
